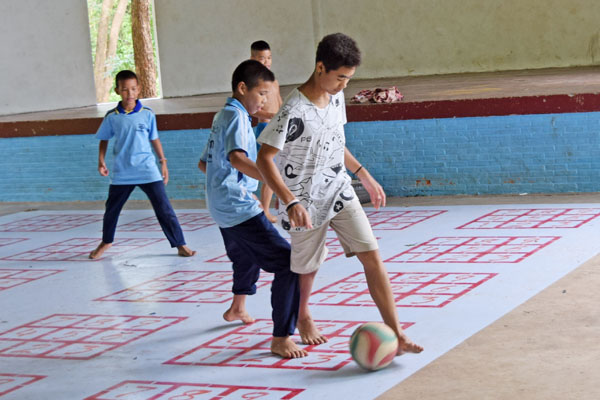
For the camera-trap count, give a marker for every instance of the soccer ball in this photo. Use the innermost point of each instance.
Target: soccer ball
(373, 345)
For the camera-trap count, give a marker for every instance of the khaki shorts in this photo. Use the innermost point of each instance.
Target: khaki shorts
(352, 228)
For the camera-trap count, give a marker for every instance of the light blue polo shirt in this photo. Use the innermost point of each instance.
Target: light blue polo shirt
(229, 192)
(134, 161)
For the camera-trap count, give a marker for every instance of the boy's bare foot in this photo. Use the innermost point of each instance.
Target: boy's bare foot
(286, 348)
(97, 253)
(309, 332)
(231, 315)
(405, 345)
(185, 251)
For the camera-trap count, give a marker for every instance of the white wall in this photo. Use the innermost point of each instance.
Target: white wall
(47, 64)
(201, 42)
(46, 56)
(424, 37)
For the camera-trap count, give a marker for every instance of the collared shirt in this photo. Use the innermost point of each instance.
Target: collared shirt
(311, 141)
(133, 161)
(228, 191)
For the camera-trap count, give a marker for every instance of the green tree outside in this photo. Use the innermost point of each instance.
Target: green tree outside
(123, 58)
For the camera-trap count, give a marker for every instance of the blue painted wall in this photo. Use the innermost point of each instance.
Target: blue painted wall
(543, 153)
(64, 168)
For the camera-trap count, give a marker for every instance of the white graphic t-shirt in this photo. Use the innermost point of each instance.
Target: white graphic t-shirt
(311, 158)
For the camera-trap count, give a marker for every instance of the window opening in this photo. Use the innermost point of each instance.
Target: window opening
(123, 36)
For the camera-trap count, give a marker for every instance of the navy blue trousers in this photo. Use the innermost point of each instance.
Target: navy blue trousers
(118, 195)
(256, 244)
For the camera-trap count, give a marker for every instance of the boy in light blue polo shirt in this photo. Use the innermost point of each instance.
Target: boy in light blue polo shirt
(251, 240)
(133, 129)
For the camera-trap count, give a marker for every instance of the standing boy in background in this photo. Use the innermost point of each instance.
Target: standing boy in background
(261, 52)
(133, 128)
(251, 241)
(309, 178)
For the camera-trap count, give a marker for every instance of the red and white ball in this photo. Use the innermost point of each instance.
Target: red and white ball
(373, 345)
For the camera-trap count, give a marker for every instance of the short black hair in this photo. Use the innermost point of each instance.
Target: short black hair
(250, 72)
(338, 50)
(260, 45)
(124, 75)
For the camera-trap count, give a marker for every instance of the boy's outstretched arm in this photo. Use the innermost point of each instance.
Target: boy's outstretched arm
(372, 187)
(240, 161)
(161, 159)
(202, 166)
(263, 115)
(275, 97)
(101, 155)
(297, 213)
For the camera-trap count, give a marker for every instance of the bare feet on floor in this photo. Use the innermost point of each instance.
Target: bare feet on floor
(185, 251)
(405, 345)
(286, 348)
(309, 332)
(97, 253)
(233, 315)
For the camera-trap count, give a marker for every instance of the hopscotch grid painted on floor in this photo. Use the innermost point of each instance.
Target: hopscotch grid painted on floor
(50, 223)
(534, 218)
(245, 350)
(12, 382)
(10, 278)
(184, 287)
(62, 336)
(249, 346)
(474, 249)
(410, 289)
(334, 248)
(133, 390)
(10, 241)
(189, 222)
(78, 249)
(399, 220)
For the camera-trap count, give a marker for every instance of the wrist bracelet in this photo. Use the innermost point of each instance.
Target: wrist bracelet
(359, 168)
(161, 160)
(291, 201)
(292, 204)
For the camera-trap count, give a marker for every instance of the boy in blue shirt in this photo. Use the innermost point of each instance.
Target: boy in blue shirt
(251, 240)
(133, 128)
(261, 52)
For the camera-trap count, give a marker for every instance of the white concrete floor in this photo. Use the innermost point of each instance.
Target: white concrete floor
(519, 355)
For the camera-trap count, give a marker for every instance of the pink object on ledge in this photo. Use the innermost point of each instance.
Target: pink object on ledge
(378, 95)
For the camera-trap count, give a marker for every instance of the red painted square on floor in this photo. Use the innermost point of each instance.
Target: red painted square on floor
(249, 347)
(12, 382)
(188, 222)
(78, 336)
(10, 278)
(399, 220)
(50, 223)
(476, 249)
(534, 218)
(152, 390)
(78, 249)
(410, 289)
(184, 287)
(9, 241)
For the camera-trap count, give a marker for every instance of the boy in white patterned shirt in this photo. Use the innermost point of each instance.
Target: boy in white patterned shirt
(309, 177)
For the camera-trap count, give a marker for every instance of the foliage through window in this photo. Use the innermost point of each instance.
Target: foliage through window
(112, 21)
